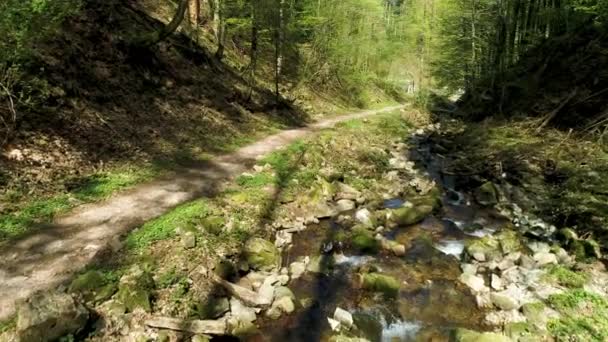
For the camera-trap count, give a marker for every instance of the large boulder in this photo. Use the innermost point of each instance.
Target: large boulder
(406, 216)
(486, 194)
(381, 283)
(261, 254)
(135, 290)
(363, 241)
(49, 316)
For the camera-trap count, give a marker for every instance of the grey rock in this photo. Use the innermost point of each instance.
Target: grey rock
(49, 316)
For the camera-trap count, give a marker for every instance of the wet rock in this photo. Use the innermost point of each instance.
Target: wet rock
(344, 191)
(345, 205)
(406, 216)
(261, 254)
(486, 194)
(476, 283)
(49, 316)
(363, 241)
(369, 325)
(134, 289)
(365, 217)
(296, 269)
(465, 335)
(381, 283)
(543, 259)
(344, 317)
(188, 240)
(283, 305)
(469, 268)
(486, 248)
(496, 282)
(283, 238)
(240, 311)
(398, 249)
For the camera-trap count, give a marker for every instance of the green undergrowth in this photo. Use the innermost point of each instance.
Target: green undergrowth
(584, 316)
(20, 220)
(566, 277)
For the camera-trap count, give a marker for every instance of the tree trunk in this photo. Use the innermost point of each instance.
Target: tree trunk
(173, 25)
(221, 29)
(194, 9)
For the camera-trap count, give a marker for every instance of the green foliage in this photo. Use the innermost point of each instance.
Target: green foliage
(255, 181)
(164, 227)
(584, 316)
(21, 221)
(567, 277)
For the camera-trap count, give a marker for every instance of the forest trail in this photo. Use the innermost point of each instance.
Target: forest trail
(55, 252)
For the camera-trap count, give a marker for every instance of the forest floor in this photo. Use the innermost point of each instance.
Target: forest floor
(52, 253)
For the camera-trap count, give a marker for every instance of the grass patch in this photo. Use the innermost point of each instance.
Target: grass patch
(566, 277)
(19, 222)
(584, 316)
(257, 180)
(9, 324)
(185, 216)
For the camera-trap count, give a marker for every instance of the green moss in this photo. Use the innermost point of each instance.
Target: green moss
(406, 216)
(257, 180)
(381, 283)
(584, 316)
(162, 228)
(364, 242)
(567, 277)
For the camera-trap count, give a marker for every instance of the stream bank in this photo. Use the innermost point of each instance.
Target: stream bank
(363, 238)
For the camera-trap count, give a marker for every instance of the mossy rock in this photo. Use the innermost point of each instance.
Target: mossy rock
(406, 216)
(135, 290)
(225, 269)
(87, 282)
(363, 241)
(465, 335)
(432, 199)
(214, 224)
(486, 194)
(566, 236)
(261, 254)
(377, 282)
(488, 246)
(509, 241)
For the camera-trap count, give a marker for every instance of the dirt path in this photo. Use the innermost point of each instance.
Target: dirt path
(53, 254)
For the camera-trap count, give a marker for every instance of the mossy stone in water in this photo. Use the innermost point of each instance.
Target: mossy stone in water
(465, 335)
(261, 254)
(486, 194)
(406, 216)
(369, 325)
(381, 283)
(363, 241)
(134, 290)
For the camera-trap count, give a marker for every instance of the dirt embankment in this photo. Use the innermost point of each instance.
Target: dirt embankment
(110, 102)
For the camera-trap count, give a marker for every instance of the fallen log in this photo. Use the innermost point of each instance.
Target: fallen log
(211, 327)
(245, 295)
